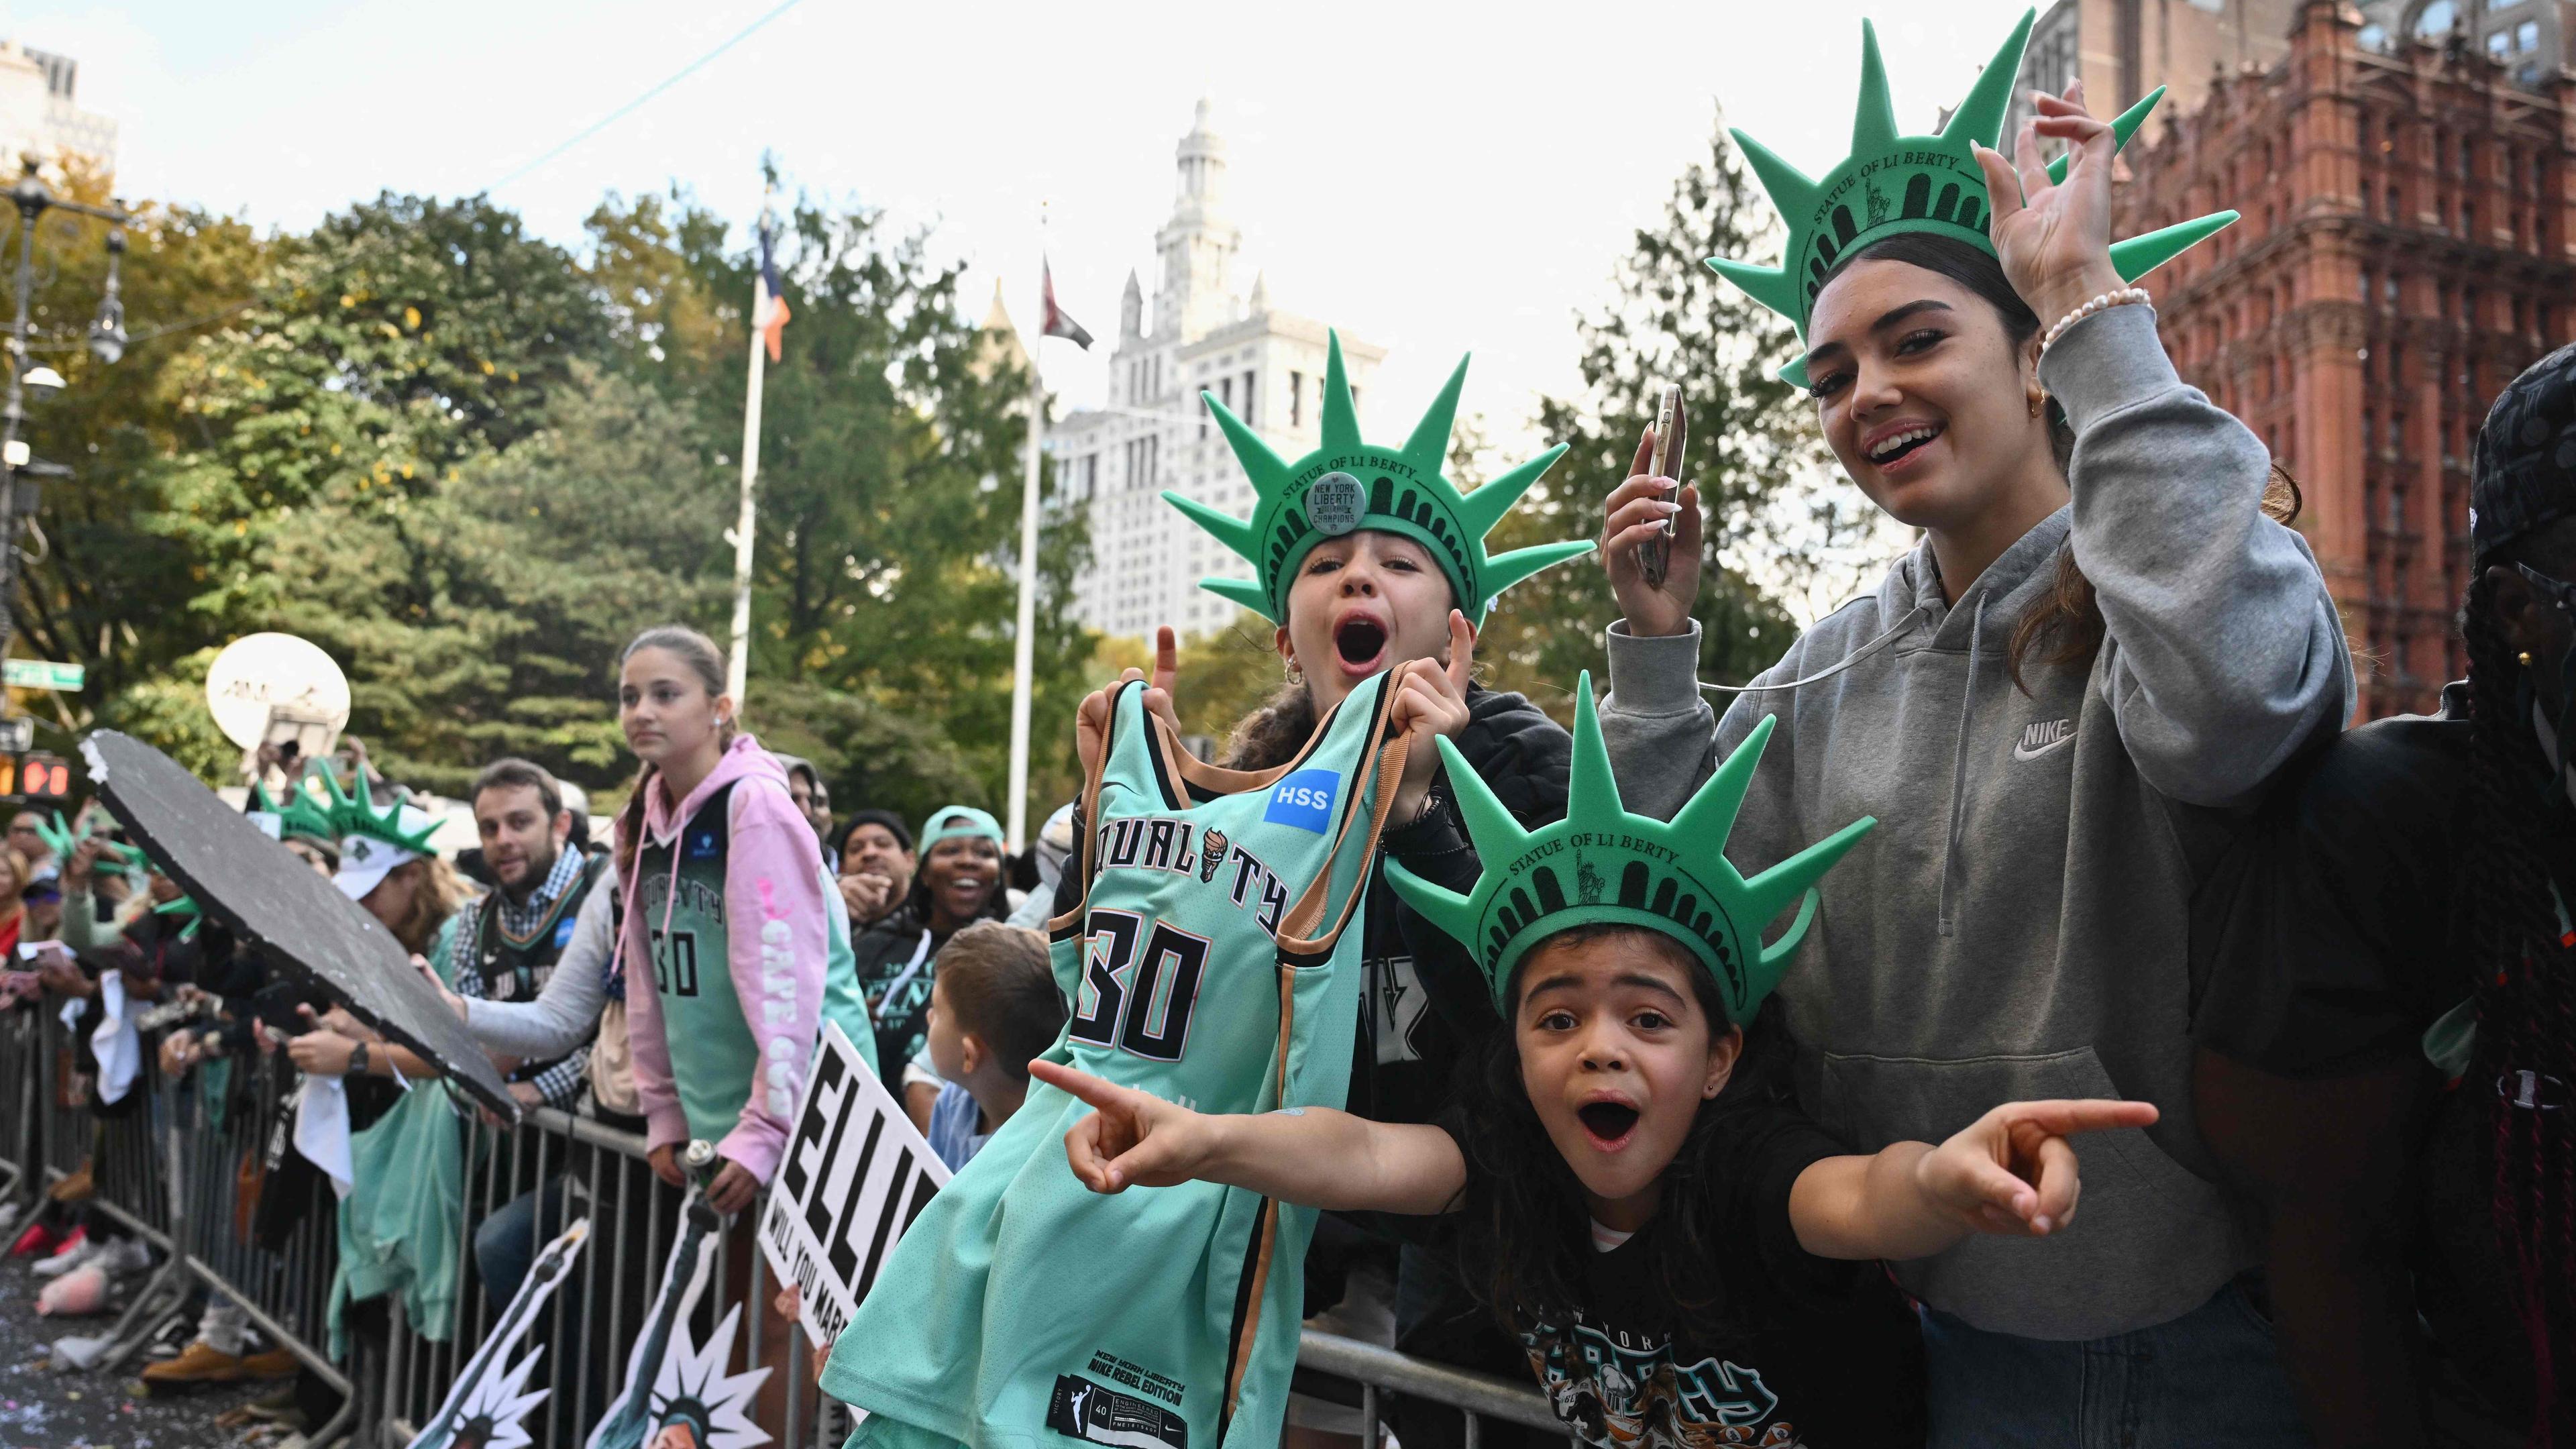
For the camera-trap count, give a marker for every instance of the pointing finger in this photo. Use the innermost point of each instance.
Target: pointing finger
(1462, 651)
(2060, 1119)
(1080, 1084)
(1167, 658)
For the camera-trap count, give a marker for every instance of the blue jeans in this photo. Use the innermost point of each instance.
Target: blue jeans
(2211, 1379)
(505, 1244)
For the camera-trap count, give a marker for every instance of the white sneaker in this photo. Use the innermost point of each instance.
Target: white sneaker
(79, 1351)
(68, 1259)
(124, 1255)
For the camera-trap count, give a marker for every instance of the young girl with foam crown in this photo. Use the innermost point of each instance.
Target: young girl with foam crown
(1681, 1255)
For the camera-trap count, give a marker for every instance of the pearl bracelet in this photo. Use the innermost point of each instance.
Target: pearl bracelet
(2099, 302)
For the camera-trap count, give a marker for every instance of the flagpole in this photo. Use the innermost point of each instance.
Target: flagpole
(1022, 642)
(738, 657)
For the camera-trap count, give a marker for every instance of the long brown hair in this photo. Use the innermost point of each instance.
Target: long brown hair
(432, 902)
(704, 660)
(2069, 621)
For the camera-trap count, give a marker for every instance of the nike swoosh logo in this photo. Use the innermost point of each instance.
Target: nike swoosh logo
(2025, 752)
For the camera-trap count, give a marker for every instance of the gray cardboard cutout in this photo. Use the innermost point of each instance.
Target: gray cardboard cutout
(277, 903)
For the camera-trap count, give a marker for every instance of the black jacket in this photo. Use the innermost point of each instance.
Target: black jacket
(1425, 1004)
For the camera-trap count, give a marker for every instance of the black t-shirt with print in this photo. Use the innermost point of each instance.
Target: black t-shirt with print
(1818, 1352)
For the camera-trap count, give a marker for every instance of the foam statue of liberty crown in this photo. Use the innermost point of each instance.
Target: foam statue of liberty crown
(297, 817)
(356, 818)
(374, 843)
(60, 841)
(1348, 485)
(1892, 183)
(1601, 866)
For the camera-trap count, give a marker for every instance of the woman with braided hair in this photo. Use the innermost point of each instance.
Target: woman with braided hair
(2389, 1025)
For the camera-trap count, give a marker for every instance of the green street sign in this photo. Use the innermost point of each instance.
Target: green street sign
(42, 674)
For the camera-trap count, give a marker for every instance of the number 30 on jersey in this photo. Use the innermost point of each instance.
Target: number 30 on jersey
(1139, 984)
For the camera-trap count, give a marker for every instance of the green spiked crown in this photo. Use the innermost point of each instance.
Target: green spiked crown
(1347, 485)
(356, 816)
(115, 859)
(1601, 866)
(1892, 183)
(298, 818)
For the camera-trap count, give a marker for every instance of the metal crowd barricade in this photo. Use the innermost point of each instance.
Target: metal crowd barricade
(169, 1167)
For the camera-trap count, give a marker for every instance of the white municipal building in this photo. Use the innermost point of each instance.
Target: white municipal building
(1153, 433)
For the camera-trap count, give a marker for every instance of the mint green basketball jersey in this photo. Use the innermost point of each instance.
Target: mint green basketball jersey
(1206, 964)
(714, 1059)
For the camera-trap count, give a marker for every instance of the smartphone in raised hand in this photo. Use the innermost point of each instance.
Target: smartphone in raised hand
(1672, 432)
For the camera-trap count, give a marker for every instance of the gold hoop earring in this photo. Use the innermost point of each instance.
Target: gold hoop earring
(2038, 401)
(2525, 657)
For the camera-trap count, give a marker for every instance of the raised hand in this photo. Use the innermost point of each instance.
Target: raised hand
(1091, 722)
(1636, 511)
(2054, 238)
(1430, 701)
(1131, 1138)
(2012, 1171)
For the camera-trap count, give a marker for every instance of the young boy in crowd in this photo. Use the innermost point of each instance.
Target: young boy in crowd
(993, 1006)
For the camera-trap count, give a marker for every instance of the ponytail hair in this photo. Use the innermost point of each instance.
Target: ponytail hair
(2069, 621)
(706, 661)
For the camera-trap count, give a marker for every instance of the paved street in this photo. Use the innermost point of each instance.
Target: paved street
(43, 1409)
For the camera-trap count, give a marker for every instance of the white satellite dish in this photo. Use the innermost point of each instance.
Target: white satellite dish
(258, 676)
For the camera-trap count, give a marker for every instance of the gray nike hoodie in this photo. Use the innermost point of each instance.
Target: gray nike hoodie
(2015, 926)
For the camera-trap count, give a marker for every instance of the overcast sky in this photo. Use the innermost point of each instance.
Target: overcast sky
(1438, 179)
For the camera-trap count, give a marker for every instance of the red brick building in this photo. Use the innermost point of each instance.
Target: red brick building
(2409, 245)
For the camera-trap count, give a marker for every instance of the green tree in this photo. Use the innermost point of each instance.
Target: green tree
(484, 618)
(108, 589)
(397, 341)
(890, 469)
(1754, 450)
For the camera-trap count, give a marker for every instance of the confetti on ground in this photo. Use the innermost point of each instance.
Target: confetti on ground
(45, 1408)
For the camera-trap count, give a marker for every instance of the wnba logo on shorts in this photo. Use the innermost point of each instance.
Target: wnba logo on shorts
(1305, 800)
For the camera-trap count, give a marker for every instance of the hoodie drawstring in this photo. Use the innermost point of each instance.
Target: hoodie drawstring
(1855, 657)
(1959, 761)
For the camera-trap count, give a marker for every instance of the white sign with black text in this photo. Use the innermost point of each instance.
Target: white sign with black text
(855, 1175)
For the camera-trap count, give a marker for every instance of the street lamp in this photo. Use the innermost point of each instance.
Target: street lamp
(106, 339)
(107, 330)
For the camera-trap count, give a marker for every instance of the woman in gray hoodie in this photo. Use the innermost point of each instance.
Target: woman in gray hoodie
(2101, 643)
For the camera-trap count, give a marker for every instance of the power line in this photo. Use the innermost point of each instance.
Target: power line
(683, 73)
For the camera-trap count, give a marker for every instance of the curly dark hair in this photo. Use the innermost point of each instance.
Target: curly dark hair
(1523, 1225)
(2505, 927)
(1273, 733)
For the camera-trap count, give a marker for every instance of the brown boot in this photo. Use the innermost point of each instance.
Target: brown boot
(274, 1363)
(199, 1363)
